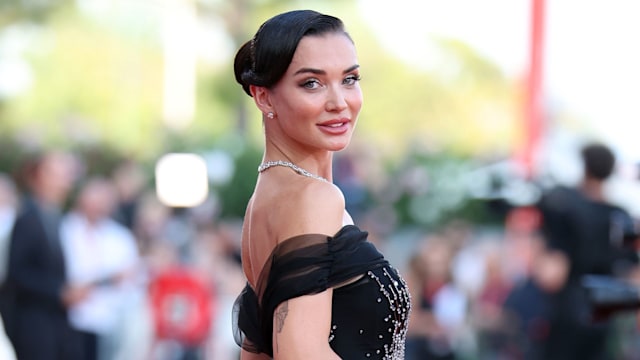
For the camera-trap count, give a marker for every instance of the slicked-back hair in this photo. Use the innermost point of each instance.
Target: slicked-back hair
(263, 60)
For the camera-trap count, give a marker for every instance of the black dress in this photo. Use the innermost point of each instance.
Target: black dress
(369, 316)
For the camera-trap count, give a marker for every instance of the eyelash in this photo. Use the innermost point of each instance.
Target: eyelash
(352, 79)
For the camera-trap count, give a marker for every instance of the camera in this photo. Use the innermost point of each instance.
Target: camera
(608, 295)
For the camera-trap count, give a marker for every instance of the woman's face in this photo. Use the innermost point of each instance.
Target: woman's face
(318, 99)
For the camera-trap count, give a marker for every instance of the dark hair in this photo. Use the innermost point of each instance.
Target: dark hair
(263, 60)
(598, 160)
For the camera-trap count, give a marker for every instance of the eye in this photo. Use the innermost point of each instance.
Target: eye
(311, 84)
(351, 80)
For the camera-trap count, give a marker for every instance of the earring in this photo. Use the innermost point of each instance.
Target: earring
(270, 115)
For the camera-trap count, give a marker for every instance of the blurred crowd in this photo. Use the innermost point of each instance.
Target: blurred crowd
(97, 267)
(487, 293)
(557, 280)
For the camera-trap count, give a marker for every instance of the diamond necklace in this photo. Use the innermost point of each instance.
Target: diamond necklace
(264, 166)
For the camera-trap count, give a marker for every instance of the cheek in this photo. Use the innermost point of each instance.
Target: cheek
(307, 107)
(284, 104)
(355, 101)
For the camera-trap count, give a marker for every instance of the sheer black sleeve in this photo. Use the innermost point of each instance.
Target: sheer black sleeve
(303, 265)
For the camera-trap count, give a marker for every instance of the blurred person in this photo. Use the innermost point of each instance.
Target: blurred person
(151, 221)
(229, 282)
(130, 181)
(215, 258)
(590, 232)
(8, 209)
(507, 263)
(427, 275)
(486, 303)
(316, 288)
(39, 327)
(101, 253)
(158, 255)
(182, 307)
(178, 290)
(526, 311)
(521, 238)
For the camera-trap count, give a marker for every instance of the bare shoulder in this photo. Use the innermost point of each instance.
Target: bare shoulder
(314, 207)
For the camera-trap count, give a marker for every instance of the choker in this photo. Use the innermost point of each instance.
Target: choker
(266, 165)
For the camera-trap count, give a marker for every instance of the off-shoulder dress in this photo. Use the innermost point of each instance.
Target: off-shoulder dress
(369, 316)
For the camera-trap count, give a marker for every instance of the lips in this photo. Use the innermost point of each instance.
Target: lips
(335, 127)
(336, 124)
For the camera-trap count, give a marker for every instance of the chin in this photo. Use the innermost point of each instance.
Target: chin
(338, 146)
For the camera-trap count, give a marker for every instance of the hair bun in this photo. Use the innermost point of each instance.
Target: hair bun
(243, 67)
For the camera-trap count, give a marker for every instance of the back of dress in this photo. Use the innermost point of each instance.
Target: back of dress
(369, 316)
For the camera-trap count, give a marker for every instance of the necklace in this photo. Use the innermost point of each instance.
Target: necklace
(264, 166)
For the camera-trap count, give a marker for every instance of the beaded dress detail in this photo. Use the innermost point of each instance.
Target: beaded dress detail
(369, 316)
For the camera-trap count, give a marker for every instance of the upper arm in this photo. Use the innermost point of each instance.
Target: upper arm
(302, 325)
(301, 328)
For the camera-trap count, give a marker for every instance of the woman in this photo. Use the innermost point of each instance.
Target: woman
(316, 288)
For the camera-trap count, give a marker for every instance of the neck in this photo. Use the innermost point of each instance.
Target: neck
(593, 189)
(318, 163)
(47, 200)
(269, 164)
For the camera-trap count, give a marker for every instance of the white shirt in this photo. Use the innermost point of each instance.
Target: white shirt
(94, 252)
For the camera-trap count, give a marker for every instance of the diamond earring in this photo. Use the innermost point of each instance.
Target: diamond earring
(270, 115)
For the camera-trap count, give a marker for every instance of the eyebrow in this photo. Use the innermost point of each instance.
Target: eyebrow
(322, 72)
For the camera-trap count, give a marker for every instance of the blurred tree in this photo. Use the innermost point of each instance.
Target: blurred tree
(105, 71)
(464, 105)
(99, 77)
(92, 86)
(240, 19)
(235, 194)
(13, 11)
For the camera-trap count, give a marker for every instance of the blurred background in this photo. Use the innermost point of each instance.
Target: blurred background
(472, 109)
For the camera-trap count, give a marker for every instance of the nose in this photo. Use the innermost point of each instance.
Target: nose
(336, 100)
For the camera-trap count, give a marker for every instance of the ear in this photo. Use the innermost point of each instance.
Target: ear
(261, 96)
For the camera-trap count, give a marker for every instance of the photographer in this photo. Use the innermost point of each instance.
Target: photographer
(594, 236)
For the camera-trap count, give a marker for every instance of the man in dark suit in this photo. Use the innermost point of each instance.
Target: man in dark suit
(38, 325)
(590, 231)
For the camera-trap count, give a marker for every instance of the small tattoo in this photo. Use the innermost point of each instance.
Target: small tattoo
(281, 314)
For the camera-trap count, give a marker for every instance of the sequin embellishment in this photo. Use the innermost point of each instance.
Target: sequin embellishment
(382, 338)
(398, 299)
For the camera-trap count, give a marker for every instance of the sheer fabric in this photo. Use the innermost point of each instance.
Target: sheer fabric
(369, 316)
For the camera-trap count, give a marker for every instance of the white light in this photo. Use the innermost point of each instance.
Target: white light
(16, 77)
(181, 180)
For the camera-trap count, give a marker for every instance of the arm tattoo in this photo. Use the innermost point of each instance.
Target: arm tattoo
(281, 314)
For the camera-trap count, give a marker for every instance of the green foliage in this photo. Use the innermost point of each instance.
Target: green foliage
(11, 155)
(12, 11)
(236, 193)
(464, 106)
(92, 85)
